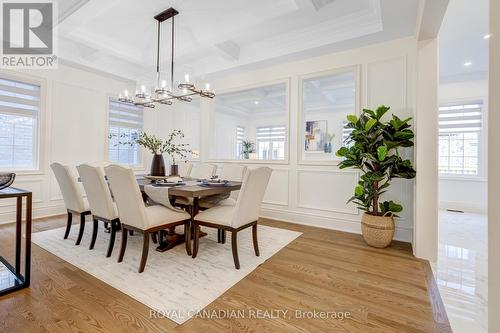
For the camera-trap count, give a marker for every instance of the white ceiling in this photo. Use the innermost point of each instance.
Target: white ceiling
(119, 36)
(461, 40)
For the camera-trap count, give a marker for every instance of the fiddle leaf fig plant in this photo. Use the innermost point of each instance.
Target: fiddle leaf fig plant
(373, 148)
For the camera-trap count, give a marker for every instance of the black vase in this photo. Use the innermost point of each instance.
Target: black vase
(158, 165)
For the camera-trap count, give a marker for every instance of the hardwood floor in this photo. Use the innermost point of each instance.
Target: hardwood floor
(383, 290)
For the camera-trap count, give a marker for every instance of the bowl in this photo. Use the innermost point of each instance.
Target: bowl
(6, 179)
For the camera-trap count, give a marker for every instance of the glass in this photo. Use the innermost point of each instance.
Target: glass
(326, 102)
(250, 124)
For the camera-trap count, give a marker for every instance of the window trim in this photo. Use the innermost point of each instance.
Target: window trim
(40, 159)
(301, 114)
(286, 161)
(483, 140)
(137, 167)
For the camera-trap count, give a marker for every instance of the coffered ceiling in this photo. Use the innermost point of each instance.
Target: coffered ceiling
(119, 36)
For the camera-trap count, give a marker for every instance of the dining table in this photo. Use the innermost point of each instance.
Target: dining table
(192, 190)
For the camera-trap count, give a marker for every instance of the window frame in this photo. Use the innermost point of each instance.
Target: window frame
(136, 167)
(301, 114)
(482, 141)
(287, 82)
(39, 158)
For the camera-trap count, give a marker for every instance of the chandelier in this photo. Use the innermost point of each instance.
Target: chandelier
(161, 93)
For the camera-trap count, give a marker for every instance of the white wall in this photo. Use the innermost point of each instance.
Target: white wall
(467, 194)
(315, 193)
(494, 175)
(74, 111)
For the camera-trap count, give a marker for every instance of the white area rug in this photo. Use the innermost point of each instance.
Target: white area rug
(173, 283)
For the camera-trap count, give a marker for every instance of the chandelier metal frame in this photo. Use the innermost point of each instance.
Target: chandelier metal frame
(162, 95)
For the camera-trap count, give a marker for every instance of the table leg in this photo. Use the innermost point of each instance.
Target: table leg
(19, 223)
(194, 211)
(169, 240)
(27, 263)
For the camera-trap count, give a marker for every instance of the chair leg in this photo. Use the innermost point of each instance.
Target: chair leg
(82, 228)
(106, 227)
(255, 241)
(196, 239)
(145, 250)
(154, 237)
(68, 225)
(223, 236)
(124, 244)
(94, 234)
(219, 236)
(234, 247)
(131, 232)
(114, 227)
(187, 237)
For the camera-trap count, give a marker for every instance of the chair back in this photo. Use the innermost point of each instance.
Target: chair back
(185, 169)
(128, 197)
(202, 171)
(97, 189)
(71, 192)
(252, 191)
(233, 172)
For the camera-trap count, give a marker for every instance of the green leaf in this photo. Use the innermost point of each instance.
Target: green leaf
(359, 190)
(382, 152)
(369, 124)
(352, 118)
(343, 151)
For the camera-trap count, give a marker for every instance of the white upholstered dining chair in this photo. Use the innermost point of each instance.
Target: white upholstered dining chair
(72, 196)
(234, 218)
(134, 215)
(100, 201)
(202, 171)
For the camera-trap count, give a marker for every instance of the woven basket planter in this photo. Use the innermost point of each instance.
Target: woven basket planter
(378, 231)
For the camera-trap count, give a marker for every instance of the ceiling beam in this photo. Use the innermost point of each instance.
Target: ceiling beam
(229, 50)
(430, 17)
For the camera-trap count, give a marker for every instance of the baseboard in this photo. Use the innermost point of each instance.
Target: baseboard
(38, 212)
(402, 234)
(467, 207)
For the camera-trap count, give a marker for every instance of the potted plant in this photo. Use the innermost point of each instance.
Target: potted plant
(247, 148)
(158, 146)
(328, 144)
(176, 150)
(373, 148)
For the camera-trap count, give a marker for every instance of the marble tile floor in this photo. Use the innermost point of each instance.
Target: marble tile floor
(462, 270)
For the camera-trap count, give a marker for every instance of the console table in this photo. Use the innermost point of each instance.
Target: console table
(11, 278)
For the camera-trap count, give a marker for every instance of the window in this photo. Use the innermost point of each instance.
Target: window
(271, 142)
(19, 122)
(460, 138)
(255, 116)
(125, 124)
(327, 99)
(240, 136)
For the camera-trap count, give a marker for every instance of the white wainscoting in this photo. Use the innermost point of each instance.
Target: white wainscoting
(316, 194)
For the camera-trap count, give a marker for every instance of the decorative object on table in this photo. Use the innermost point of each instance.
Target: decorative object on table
(176, 151)
(315, 136)
(214, 182)
(247, 148)
(373, 148)
(328, 144)
(6, 179)
(158, 146)
(162, 94)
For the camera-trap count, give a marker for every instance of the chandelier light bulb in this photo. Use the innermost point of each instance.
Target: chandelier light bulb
(125, 92)
(143, 89)
(186, 78)
(207, 86)
(163, 83)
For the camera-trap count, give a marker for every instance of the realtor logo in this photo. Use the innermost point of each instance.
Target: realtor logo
(28, 34)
